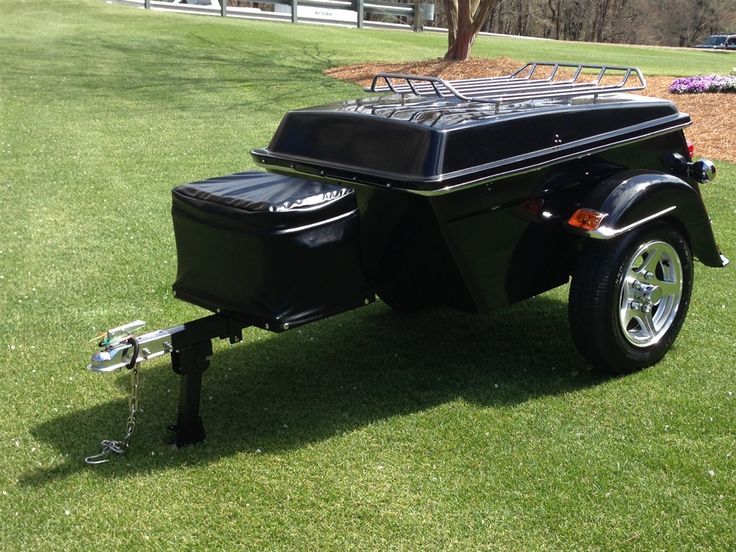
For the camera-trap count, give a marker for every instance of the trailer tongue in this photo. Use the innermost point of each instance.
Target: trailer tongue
(190, 346)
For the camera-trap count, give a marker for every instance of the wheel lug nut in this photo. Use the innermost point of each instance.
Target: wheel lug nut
(648, 275)
(646, 308)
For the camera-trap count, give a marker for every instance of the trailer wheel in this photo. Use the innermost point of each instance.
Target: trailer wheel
(629, 297)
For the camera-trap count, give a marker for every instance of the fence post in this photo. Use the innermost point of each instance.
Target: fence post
(359, 8)
(147, 4)
(294, 5)
(418, 23)
(223, 8)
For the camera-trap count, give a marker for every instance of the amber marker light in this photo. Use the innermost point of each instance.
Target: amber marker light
(587, 219)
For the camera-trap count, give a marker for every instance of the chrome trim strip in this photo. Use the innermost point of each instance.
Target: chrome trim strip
(556, 161)
(316, 224)
(606, 232)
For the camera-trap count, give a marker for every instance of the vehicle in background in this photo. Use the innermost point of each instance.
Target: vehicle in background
(719, 42)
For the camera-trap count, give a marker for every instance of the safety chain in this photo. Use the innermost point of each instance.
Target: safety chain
(110, 446)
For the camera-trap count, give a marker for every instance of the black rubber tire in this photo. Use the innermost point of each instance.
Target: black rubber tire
(593, 307)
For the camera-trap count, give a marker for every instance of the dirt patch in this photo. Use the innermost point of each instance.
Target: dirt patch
(714, 115)
(363, 73)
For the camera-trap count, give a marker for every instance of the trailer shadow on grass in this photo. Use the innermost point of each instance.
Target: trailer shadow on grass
(277, 393)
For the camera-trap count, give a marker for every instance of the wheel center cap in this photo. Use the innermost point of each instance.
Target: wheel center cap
(651, 294)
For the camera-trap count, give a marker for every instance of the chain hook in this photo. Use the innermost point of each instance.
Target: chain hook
(111, 446)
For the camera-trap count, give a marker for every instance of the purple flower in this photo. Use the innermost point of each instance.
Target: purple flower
(702, 83)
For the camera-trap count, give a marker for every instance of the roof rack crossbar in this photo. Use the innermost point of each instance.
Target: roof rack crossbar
(470, 86)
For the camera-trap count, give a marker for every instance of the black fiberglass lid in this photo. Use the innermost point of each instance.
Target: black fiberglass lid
(425, 143)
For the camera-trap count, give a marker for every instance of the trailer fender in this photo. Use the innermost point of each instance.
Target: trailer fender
(631, 199)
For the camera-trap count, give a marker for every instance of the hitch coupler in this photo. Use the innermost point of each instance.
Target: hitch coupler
(119, 348)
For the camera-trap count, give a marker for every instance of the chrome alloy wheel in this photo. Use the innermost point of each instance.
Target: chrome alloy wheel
(651, 293)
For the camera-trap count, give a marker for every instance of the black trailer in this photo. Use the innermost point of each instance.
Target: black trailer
(471, 194)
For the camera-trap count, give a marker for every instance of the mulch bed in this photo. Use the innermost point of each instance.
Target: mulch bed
(714, 114)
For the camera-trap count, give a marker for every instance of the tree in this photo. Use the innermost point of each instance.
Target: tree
(688, 21)
(671, 23)
(464, 20)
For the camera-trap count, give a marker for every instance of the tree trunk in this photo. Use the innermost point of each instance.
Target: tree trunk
(451, 12)
(465, 19)
(460, 50)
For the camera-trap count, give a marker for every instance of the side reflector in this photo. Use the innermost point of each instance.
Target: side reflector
(690, 149)
(586, 219)
(532, 207)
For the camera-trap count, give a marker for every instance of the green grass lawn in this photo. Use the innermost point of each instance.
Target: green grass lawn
(367, 430)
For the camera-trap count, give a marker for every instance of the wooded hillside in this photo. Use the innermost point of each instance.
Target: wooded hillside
(657, 22)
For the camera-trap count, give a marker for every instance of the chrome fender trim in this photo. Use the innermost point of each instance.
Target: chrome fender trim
(606, 232)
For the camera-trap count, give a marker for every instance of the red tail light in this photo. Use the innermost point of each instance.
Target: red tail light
(690, 149)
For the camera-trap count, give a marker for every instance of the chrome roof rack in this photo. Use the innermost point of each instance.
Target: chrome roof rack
(535, 80)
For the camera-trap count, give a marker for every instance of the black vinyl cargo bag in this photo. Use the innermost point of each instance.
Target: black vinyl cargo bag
(268, 248)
